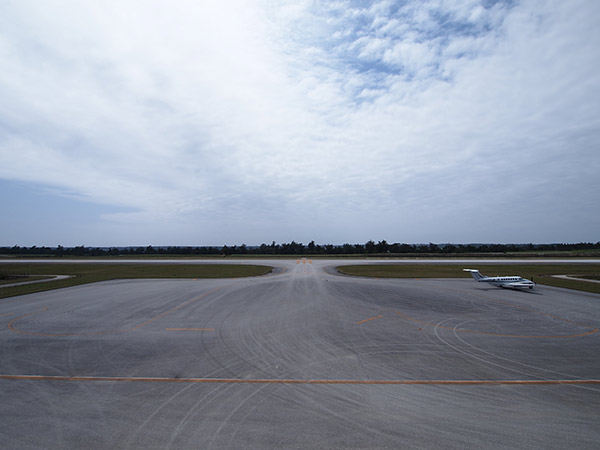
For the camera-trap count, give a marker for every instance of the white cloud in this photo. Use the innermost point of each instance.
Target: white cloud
(412, 57)
(395, 114)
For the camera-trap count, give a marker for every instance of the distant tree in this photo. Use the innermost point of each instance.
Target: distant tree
(433, 248)
(382, 247)
(370, 247)
(347, 249)
(78, 251)
(329, 249)
(407, 248)
(274, 248)
(449, 248)
(359, 248)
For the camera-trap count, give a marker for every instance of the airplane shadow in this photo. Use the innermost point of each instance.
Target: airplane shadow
(522, 291)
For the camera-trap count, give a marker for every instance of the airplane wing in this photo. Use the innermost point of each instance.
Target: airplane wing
(518, 284)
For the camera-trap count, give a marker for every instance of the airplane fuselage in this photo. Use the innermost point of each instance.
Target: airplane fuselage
(513, 282)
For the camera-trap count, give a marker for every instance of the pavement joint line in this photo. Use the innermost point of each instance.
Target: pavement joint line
(190, 329)
(294, 381)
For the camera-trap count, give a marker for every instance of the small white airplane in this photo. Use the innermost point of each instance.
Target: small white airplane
(513, 282)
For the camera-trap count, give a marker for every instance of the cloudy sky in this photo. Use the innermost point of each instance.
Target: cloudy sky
(246, 121)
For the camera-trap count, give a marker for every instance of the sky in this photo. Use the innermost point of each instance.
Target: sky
(247, 121)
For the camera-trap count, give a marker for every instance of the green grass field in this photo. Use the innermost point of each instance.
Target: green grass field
(23, 279)
(91, 273)
(540, 273)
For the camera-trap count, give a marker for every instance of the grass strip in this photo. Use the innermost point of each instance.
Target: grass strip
(91, 273)
(24, 279)
(539, 273)
(592, 277)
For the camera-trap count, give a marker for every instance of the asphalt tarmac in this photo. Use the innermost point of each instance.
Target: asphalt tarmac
(303, 358)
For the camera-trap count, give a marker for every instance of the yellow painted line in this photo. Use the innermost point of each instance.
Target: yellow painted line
(293, 381)
(190, 329)
(372, 318)
(11, 323)
(309, 261)
(298, 262)
(464, 330)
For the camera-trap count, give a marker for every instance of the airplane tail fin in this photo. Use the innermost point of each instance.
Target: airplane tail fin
(474, 273)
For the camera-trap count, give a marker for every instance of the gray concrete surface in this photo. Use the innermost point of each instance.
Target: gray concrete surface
(301, 359)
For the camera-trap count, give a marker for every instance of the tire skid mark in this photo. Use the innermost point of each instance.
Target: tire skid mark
(96, 333)
(226, 421)
(153, 414)
(534, 311)
(477, 357)
(464, 330)
(206, 398)
(528, 366)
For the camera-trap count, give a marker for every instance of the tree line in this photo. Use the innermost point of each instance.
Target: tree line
(297, 248)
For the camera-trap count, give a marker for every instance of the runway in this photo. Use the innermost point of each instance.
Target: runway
(303, 358)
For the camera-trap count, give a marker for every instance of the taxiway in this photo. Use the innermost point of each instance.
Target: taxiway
(303, 358)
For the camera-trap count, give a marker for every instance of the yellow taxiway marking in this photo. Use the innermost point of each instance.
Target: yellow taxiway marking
(190, 329)
(372, 318)
(293, 380)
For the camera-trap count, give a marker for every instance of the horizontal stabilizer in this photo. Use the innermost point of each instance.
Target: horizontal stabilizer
(474, 273)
